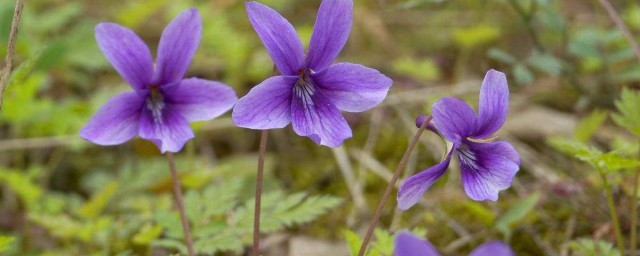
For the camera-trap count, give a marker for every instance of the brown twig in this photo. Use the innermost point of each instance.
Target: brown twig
(387, 192)
(177, 193)
(613, 15)
(11, 48)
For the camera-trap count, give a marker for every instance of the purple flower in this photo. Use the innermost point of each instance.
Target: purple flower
(406, 244)
(487, 167)
(310, 92)
(163, 103)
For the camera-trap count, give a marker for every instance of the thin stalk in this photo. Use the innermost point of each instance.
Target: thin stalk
(11, 48)
(177, 193)
(612, 210)
(615, 18)
(256, 212)
(634, 215)
(392, 183)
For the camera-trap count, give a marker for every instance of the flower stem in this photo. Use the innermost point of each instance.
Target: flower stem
(177, 193)
(11, 48)
(612, 210)
(256, 212)
(634, 215)
(615, 17)
(392, 183)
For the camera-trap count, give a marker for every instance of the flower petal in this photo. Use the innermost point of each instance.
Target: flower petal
(199, 100)
(487, 168)
(267, 105)
(170, 131)
(454, 119)
(330, 33)
(351, 87)
(415, 186)
(116, 121)
(127, 53)
(492, 249)
(493, 105)
(314, 116)
(178, 44)
(278, 36)
(406, 244)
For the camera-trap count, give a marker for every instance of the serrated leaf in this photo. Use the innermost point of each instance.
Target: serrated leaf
(575, 148)
(353, 241)
(171, 223)
(589, 125)
(171, 244)
(516, 213)
(384, 242)
(587, 246)
(147, 234)
(219, 243)
(628, 115)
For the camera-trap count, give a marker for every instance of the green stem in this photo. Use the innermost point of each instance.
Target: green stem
(612, 209)
(392, 183)
(634, 215)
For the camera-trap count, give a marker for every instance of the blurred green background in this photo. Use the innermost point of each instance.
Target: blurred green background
(61, 195)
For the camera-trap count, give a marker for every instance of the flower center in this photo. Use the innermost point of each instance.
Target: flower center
(467, 156)
(304, 89)
(155, 103)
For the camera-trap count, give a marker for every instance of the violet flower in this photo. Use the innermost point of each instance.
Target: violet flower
(406, 244)
(163, 103)
(310, 92)
(487, 167)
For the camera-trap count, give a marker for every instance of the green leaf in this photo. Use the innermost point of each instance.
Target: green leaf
(516, 214)
(384, 242)
(628, 115)
(501, 56)
(353, 241)
(575, 148)
(522, 74)
(98, 202)
(422, 70)
(472, 37)
(479, 212)
(5, 243)
(546, 63)
(588, 126)
(587, 246)
(171, 244)
(147, 234)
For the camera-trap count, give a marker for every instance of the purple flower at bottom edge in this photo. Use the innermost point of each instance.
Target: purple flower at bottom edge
(310, 92)
(487, 167)
(163, 103)
(406, 244)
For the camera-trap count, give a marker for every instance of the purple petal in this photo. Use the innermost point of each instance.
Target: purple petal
(454, 119)
(314, 116)
(278, 36)
(200, 100)
(406, 244)
(330, 33)
(116, 121)
(492, 249)
(168, 130)
(493, 105)
(267, 105)
(415, 186)
(351, 87)
(178, 44)
(127, 53)
(487, 168)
